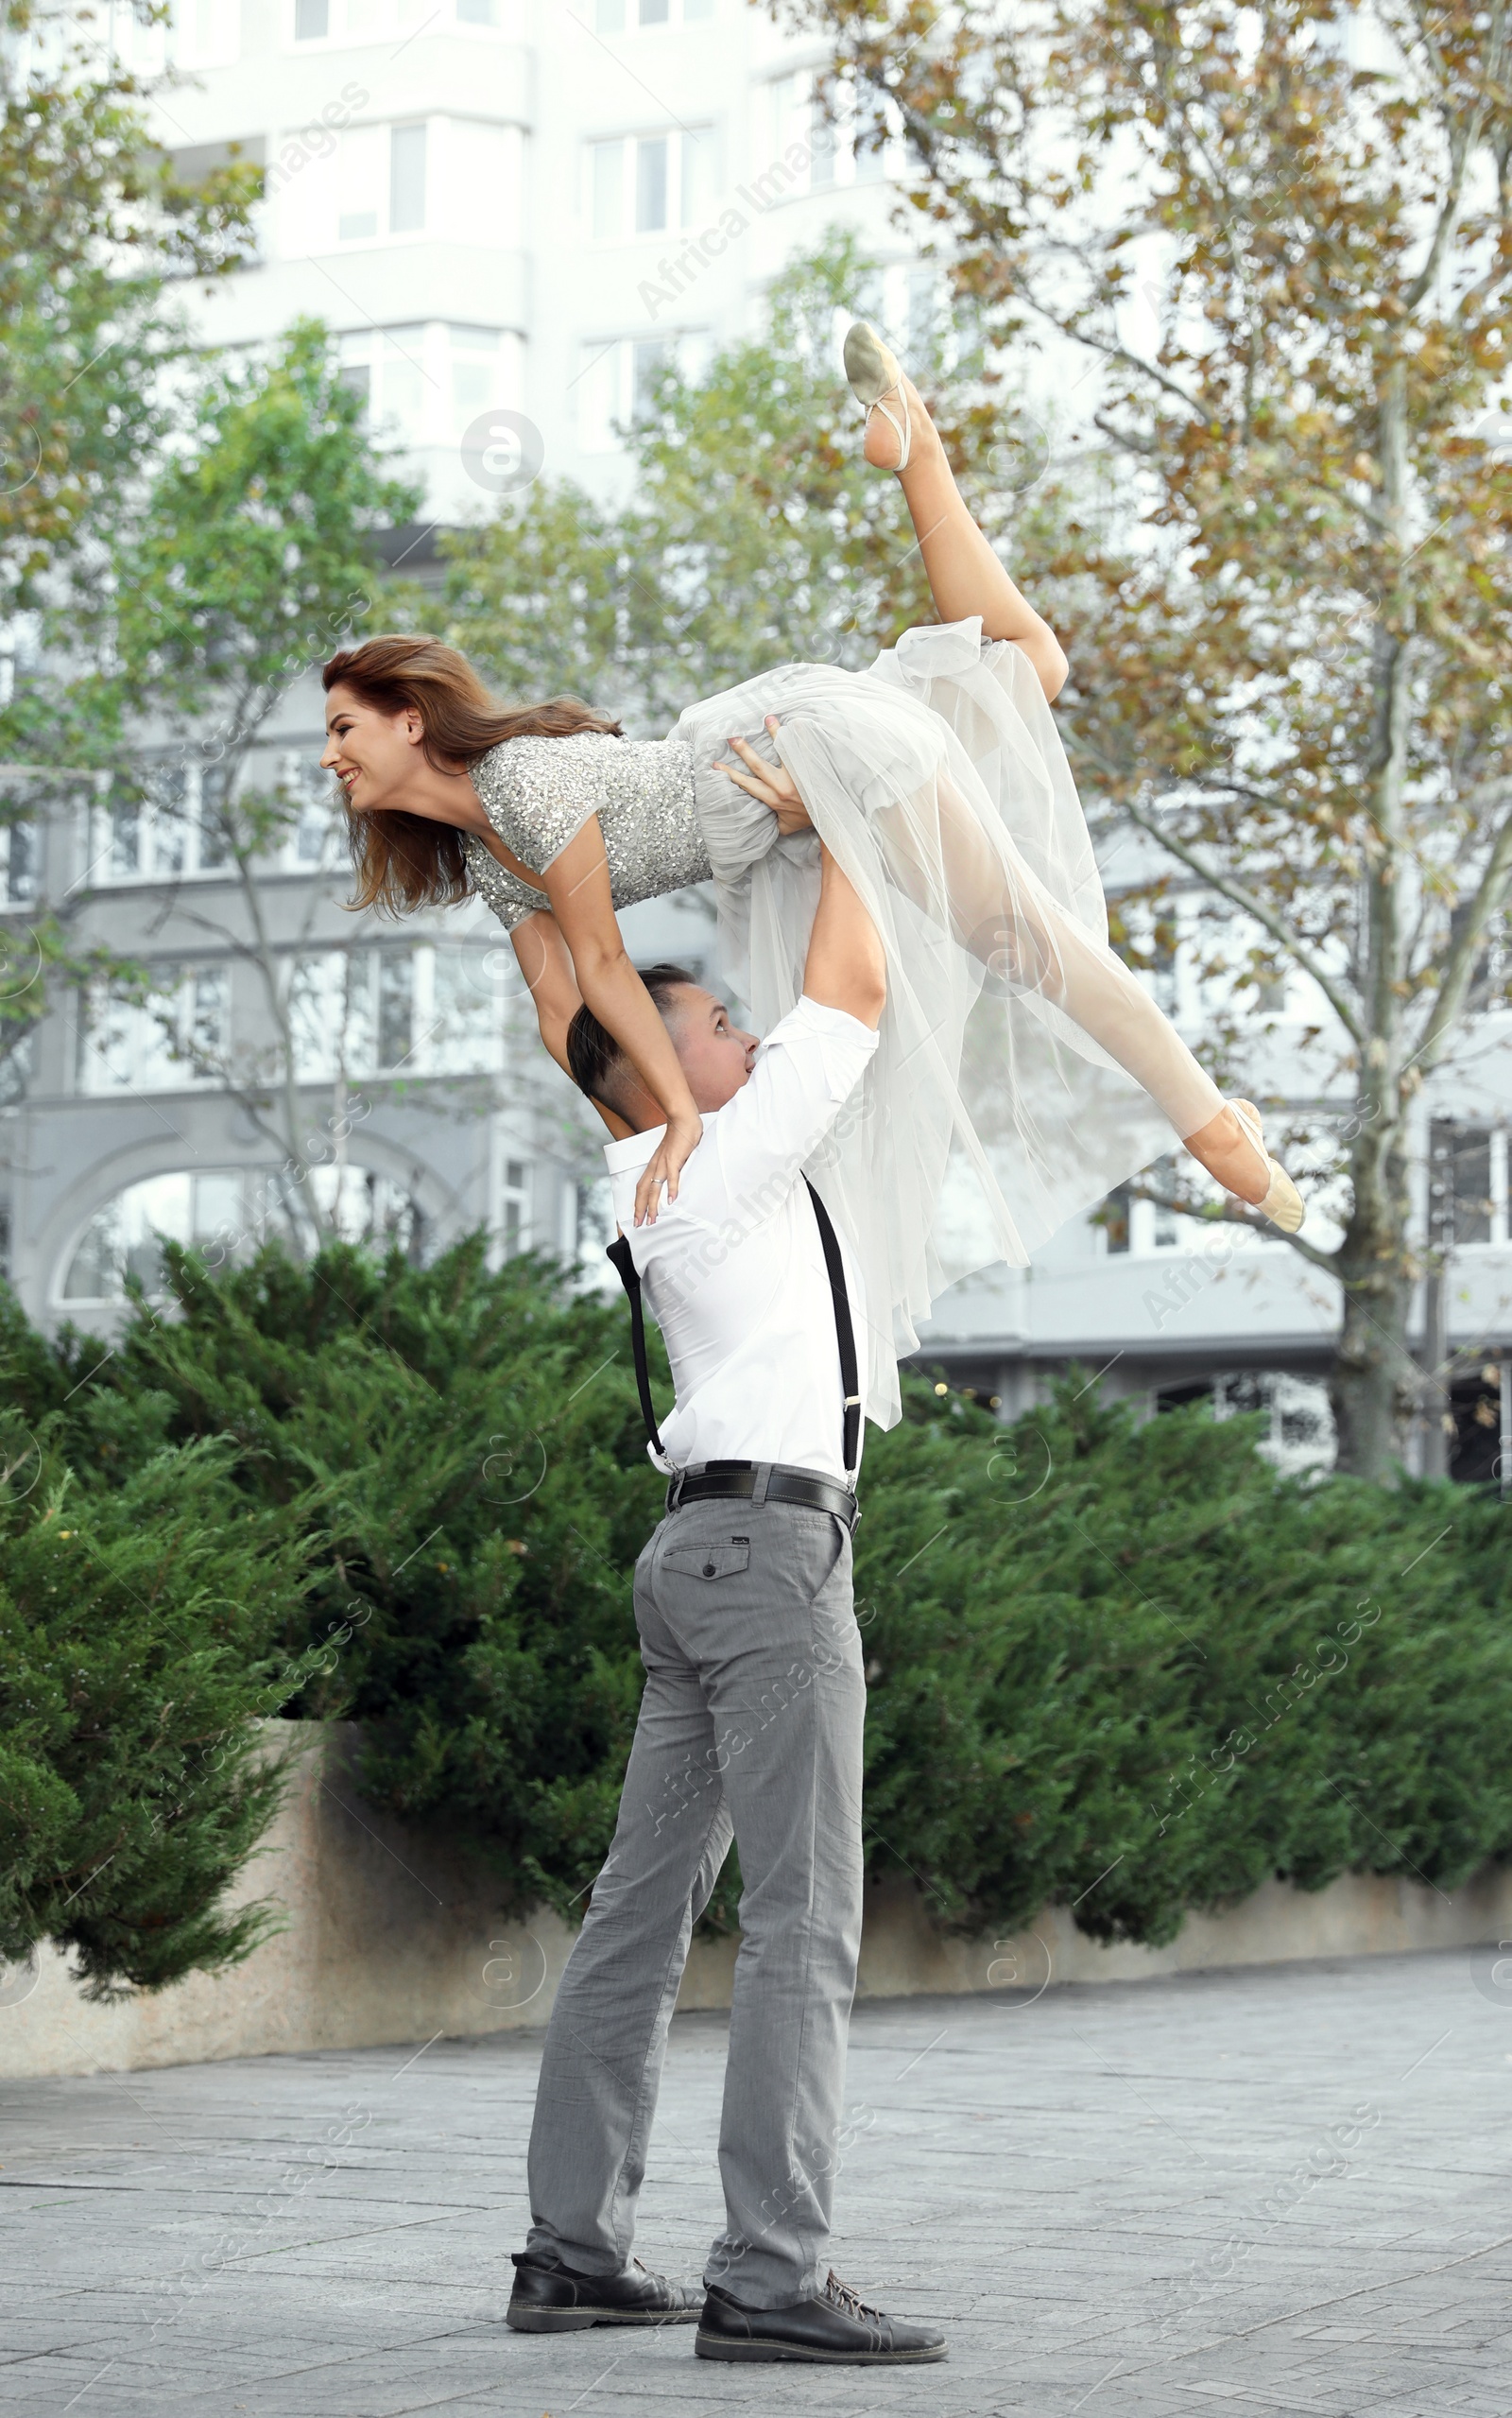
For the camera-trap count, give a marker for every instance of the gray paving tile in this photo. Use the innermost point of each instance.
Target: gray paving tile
(1117, 2202)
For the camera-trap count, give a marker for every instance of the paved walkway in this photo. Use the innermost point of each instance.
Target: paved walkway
(1276, 2190)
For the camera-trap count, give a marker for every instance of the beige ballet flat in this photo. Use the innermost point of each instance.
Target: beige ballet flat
(1283, 1204)
(874, 372)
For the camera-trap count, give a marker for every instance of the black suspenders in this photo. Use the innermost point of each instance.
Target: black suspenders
(619, 1254)
(629, 1276)
(845, 1335)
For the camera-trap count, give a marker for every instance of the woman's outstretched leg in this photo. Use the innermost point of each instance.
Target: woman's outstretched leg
(965, 576)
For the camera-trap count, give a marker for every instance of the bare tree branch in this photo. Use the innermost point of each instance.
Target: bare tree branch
(1459, 961)
(1233, 1213)
(1266, 915)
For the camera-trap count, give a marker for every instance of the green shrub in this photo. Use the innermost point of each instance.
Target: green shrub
(461, 1454)
(1124, 1667)
(138, 1641)
(1137, 1671)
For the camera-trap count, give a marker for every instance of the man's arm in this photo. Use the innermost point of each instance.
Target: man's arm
(846, 967)
(812, 1064)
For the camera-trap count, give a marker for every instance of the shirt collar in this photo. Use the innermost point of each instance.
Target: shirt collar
(634, 1152)
(629, 1157)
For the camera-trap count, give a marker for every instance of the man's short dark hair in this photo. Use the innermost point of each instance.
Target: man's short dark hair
(598, 1063)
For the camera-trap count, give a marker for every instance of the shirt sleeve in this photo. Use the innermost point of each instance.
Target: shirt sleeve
(807, 1069)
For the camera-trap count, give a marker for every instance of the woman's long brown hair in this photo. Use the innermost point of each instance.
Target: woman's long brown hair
(403, 861)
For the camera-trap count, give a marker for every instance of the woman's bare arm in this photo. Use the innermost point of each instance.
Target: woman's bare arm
(578, 886)
(546, 963)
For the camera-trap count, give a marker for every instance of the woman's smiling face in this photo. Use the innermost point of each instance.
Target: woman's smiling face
(374, 755)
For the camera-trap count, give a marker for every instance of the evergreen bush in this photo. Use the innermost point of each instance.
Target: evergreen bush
(1122, 1666)
(140, 1628)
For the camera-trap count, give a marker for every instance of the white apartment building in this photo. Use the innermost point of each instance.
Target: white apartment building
(508, 212)
(508, 206)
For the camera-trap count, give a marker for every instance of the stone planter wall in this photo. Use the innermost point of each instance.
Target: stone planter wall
(389, 1939)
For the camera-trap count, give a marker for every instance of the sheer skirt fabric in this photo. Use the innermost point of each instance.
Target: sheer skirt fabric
(1022, 1071)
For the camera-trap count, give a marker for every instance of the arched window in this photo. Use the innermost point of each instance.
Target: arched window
(227, 1213)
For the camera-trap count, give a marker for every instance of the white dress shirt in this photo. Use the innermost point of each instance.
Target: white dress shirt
(734, 1269)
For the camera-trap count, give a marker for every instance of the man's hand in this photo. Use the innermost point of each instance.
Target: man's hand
(772, 784)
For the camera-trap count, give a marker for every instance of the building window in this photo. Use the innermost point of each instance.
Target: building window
(1164, 1233)
(426, 384)
(625, 16)
(814, 149)
(207, 33)
(395, 989)
(156, 828)
(359, 192)
(1136, 1226)
(18, 1053)
(475, 359)
(427, 1011)
(1466, 1184)
(1299, 1433)
(333, 1017)
(355, 21)
(20, 862)
(651, 184)
(381, 183)
(178, 1037)
(386, 366)
(515, 1207)
(407, 179)
(226, 1213)
(463, 1028)
(616, 385)
(316, 831)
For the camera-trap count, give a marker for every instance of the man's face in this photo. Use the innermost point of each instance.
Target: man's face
(716, 1056)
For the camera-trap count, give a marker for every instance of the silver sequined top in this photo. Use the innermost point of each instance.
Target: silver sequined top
(537, 794)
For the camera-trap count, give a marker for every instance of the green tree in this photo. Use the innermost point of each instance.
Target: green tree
(251, 560)
(97, 234)
(1289, 665)
(95, 223)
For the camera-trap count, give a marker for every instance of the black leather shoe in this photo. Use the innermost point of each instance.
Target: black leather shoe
(549, 2298)
(834, 2325)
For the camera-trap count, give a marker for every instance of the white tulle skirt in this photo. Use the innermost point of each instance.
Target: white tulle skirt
(1023, 1070)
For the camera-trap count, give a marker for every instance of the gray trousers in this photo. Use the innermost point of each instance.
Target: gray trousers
(751, 1725)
